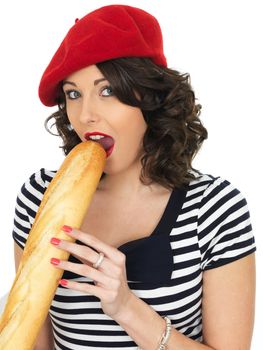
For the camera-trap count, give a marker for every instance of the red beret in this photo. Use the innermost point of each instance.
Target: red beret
(109, 32)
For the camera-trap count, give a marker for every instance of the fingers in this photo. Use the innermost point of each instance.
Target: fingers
(113, 262)
(109, 274)
(83, 287)
(84, 270)
(112, 253)
(84, 261)
(110, 280)
(80, 251)
(107, 296)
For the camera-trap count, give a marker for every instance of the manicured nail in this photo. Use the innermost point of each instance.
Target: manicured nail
(67, 228)
(63, 283)
(55, 241)
(54, 261)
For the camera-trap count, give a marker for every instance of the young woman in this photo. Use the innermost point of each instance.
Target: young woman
(165, 255)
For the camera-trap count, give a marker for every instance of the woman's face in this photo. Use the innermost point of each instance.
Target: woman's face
(92, 107)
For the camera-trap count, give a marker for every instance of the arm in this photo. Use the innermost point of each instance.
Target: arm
(229, 304)
(45, 339)
(228, 312)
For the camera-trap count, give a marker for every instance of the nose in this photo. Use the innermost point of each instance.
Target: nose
(88, 113)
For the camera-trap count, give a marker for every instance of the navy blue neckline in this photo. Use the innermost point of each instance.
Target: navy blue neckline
(168, 219)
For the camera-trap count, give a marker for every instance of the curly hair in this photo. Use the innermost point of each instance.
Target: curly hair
(174, 132)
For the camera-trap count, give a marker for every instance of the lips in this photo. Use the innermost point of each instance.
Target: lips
(107, 142)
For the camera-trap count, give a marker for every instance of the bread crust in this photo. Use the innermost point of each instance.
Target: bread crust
(65, 202)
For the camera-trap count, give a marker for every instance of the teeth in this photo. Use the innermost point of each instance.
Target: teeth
(96, 137)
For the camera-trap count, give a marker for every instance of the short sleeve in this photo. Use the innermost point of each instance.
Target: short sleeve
(27, 203)
(224, 227)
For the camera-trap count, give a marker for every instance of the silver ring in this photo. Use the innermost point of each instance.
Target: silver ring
(99, 261)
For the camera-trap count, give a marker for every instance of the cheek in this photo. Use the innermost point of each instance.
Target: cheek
(137, 127)
(72, 113)
(132, 135)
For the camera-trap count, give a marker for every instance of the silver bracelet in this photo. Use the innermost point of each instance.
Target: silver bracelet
(166, 334)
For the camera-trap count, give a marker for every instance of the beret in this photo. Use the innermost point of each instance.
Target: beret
(106, 33)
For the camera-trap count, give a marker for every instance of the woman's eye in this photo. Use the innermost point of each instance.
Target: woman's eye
(106, 91)
(72, 94)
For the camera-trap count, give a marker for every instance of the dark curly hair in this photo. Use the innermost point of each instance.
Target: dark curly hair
(174, 131)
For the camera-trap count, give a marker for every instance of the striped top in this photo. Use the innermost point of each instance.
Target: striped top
(202, 227)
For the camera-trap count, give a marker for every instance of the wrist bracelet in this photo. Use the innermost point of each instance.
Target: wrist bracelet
(166, 334)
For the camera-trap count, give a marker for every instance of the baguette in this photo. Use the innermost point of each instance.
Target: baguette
(65, 202)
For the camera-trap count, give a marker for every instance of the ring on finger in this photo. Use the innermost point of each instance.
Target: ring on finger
(97, 264)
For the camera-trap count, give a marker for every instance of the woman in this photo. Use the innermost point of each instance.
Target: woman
(164, 258)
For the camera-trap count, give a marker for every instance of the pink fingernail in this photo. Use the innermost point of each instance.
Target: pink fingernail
(55, 241)
(54, 261)
(67, 228)
(63, 283)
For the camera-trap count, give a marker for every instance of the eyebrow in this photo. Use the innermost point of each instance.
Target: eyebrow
(96, 82)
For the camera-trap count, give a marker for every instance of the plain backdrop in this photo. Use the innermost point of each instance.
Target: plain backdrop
(218, 42)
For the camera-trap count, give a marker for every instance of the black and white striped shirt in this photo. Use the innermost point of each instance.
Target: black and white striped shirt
(203, 227)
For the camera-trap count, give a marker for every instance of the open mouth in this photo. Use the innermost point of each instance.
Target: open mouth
(106, 141)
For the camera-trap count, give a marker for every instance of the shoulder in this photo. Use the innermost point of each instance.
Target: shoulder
(212, 189)
(223, 221)
(38, 181)
(34, 187)
(28, 201)
(204, 181)
(42, 177)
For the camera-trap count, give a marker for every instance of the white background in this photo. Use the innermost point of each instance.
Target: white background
(218, 42)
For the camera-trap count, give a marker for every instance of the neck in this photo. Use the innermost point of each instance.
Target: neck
(127, 184)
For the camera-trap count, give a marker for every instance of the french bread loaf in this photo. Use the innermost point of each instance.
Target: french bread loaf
(65, 202)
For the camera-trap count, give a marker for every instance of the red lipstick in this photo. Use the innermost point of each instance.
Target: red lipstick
(107, 142)
(88, 134)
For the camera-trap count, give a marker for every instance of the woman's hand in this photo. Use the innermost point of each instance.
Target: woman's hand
(110, 277)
